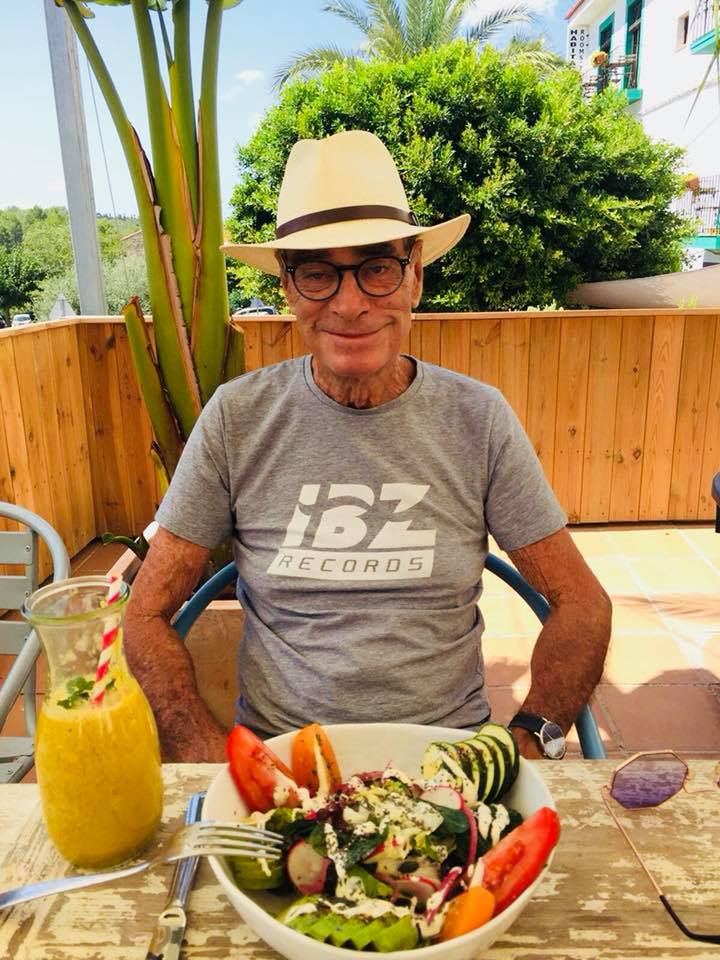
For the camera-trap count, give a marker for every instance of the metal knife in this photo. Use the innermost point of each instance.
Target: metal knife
(169, 930)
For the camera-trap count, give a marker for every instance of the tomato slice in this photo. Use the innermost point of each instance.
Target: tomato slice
(313, 759)
(257, 772)
(513, 863)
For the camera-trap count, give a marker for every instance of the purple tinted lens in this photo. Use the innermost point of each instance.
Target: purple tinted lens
(648, 781)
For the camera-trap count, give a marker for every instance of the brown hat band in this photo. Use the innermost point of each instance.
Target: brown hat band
(372, 211)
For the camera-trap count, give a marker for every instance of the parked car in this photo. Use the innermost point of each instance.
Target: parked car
(21, 320)
(256, 307)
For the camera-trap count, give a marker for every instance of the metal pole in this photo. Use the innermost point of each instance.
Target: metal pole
(75, 159)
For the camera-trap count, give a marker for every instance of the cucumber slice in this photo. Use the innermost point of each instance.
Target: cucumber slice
(502, 766)
(504, 735)
(303, 923)
(488, 765)
(249, 874)
(324, 925)
(470, 764)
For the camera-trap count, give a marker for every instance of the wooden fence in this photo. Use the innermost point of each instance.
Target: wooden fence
(623, 409)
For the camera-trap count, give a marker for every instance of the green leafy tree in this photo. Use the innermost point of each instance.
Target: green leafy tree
(20, 277)
(123, 278)
(560, 191)
(400, 29)
(11, 229)
(47, 239)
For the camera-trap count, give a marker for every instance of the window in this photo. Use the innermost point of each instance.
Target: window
(683, 28)
(632, 43)
(605, 35)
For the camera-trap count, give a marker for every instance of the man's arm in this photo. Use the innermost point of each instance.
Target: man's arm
(569, 654)
(158, 657)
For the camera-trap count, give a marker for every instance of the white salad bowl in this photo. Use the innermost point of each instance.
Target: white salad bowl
(360, 747)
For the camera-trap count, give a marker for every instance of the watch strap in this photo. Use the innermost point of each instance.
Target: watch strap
(548, 733)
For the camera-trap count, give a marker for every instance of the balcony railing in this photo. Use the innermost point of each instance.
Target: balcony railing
(703, 204)
(703, 21)
(620, 70)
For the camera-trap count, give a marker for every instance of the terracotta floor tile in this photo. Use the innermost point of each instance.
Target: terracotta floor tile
(506, 614)
(681, 717)
(650, 542)
(666, 574)
(705, 540)
(506, 671)
(643, 658)
(635, 615)
(593, 542)
(613, 575)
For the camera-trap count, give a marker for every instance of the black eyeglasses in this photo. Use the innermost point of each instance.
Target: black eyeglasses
(647, 780)
(321, 279)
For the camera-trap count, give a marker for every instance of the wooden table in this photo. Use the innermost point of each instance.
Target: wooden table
(596, 904)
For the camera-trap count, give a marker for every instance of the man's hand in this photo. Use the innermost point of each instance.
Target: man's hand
(569, 654)
(158, 657)
(527, 744)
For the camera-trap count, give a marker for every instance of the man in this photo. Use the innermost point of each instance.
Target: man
(358, 486)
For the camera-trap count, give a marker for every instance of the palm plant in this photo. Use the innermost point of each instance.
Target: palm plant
(395, 32)
(193, 348)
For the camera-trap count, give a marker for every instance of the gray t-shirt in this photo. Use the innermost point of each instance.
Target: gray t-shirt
(360, 538)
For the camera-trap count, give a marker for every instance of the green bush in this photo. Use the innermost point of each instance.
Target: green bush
(560, 190)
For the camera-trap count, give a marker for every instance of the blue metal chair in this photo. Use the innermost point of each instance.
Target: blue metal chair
(16, 637)
(716, 498)
(585, 724)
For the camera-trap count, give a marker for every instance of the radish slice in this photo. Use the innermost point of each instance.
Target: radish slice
(422, 888)
(473, 839)
(448, 885)
(443, 796)
(306, 868)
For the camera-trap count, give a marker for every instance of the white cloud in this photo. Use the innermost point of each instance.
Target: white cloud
(542, 8)
(242, 80)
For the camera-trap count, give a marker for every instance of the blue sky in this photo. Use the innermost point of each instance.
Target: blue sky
(258, 36)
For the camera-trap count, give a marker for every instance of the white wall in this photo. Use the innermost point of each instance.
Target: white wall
(668, 77)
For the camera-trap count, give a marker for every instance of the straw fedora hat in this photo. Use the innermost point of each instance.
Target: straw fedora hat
(344, 191)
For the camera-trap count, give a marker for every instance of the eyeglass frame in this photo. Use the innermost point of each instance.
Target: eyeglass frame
(606, 793)
(340, 269)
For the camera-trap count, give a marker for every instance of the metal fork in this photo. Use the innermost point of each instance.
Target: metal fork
(207, 838)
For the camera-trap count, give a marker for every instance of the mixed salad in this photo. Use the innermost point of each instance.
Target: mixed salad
(383, 861)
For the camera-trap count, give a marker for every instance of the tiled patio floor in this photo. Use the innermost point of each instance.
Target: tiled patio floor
(661, 685)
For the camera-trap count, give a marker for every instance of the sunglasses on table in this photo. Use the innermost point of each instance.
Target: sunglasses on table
(647, 780)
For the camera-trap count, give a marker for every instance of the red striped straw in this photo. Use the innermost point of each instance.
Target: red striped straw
(98, 690)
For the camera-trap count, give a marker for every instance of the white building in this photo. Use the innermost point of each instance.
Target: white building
(658, 51)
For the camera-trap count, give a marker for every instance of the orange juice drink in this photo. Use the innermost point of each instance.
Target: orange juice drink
(97, 751)
(98, 769)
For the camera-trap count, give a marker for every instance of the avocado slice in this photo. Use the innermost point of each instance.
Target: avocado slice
(401, 935)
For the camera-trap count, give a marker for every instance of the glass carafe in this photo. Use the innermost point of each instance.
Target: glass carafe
(97, 753)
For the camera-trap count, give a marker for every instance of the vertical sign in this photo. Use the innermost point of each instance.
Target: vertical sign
(578, 47)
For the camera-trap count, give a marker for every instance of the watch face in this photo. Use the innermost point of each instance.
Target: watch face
(552, 740)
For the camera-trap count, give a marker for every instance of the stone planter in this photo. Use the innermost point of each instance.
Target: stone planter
(212, 642)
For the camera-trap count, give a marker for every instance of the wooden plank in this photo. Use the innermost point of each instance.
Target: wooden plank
(663, 386)
(570, 421)
(276, 342)
(711, 447)
(698, 346)
(51, 394)
(298, 347)
(430, 331)
(485, 350)
(111, 481)
(605, 339)
(34, 417)
(137, 437)
(415, 340)
(253, 345)
(542, 399)
(76, 433)
(87, 368)
(632, 401)
(455, 345)
(514, 362)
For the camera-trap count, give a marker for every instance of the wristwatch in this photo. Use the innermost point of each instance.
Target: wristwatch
(549, 734)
